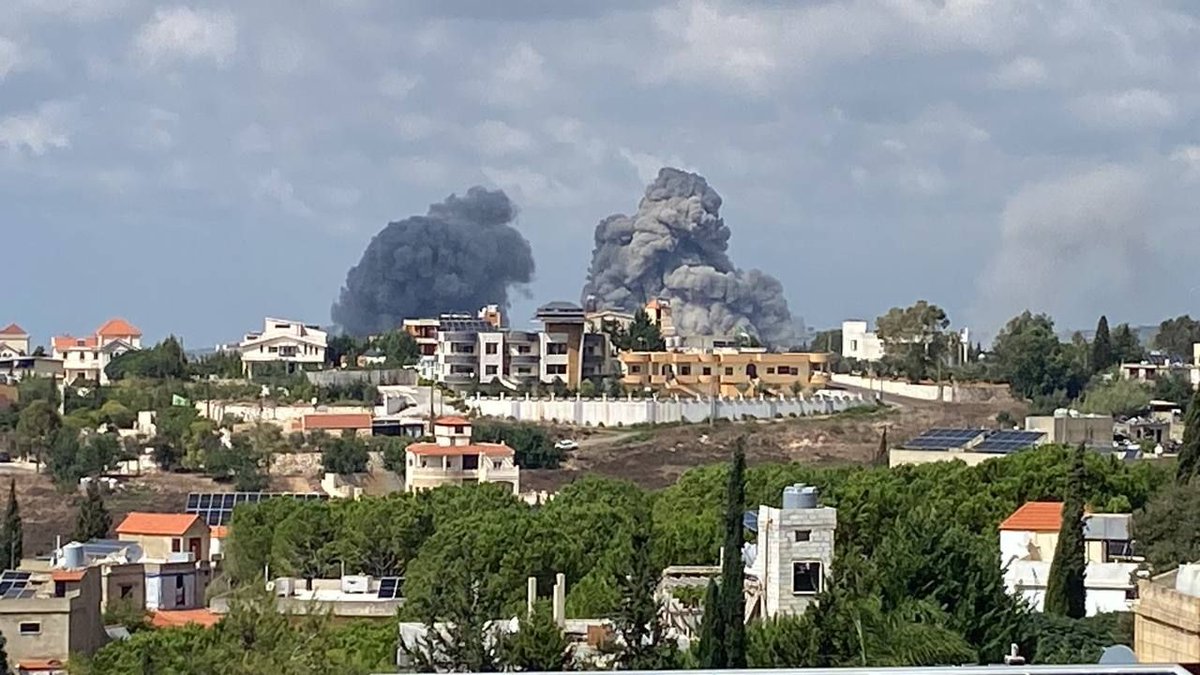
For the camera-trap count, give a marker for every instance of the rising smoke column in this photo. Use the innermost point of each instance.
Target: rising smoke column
(675, 247)
(462, 255)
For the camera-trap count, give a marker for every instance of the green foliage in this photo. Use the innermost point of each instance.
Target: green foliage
(711, 649)
(345, 454)
(71, 457)
(1189, 452)
(243, 462)
(642, 335)
(222, 364)
(1126, 346)
(732, 591)
(539, 645)
(4, 670)
(532, 446)
(36, 427)
(1055, 639)
(12, 536)
(1176, 337)
(164, 360)
(1176, 388)
(915, 339)
(1168, 528)
(1065, 592)
(1118, 396)
(392, 448)
(1102, 348)
(637, 622)
(1028, 355)
(94, 521)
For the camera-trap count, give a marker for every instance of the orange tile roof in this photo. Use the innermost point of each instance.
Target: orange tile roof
(67, 575)
(13, 329)
(435, 450)
(118, 328)
(162, 524)
(218, 531)
(1035, 517)
(177, 618)
(452, 421)
(34, 665)
(338, 421)
(64, 343)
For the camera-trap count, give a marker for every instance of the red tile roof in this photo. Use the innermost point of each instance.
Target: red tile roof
(64, 343)
(13, 329)
(338, 421)
(160, 524)
(435, 450)
(1035, 517)
(177, 618)
(37, 665)
(118, 328)
(67, 575)
(452, 421)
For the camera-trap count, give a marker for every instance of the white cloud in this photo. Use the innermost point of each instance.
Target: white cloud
(280, 53)
(76, 10)
(416, 127)
(647, 165)
(184, 34)
(37, 132)
(499, 138)
(520, 75)
(1129, 109)
(424, 171)
(533, 188)
(273, 187)
(395, 84)
(11, 58)
(1020, 73)
(709, 42)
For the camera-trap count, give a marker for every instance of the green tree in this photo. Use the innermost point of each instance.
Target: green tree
(733, 601)
(642, 335)
(4, 669)
(399, 347)
(94, 521)
(828, 341)
(1119, 396)
(1065, 593)
(643, 645)
(538, 645)
(1028, 355)
(1176, 388)
(1168, 528)
(12, 535)
(914, 338)
(393, 450)
(1189, 451)
(1126, 346)
(1102, 348)
(345, 454)
(1177, 336)
(36, 426)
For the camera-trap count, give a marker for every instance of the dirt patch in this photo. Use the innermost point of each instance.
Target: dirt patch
(656, 457)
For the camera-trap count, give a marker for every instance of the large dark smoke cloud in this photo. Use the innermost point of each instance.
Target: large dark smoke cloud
(462, 255)
(675, 247)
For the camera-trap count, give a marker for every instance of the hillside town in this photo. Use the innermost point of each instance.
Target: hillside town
(292, 472)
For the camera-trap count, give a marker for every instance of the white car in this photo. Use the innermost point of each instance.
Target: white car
(566, 444)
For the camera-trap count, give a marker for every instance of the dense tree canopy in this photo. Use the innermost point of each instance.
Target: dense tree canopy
(1177, 336)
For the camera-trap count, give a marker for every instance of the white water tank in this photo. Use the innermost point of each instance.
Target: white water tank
(356, 583)
(799, 496)
(72, 556)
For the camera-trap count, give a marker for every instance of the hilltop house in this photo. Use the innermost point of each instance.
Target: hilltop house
(296, 344)
(452, 459)
(14, 341)
(87, 357)
(1029, 536)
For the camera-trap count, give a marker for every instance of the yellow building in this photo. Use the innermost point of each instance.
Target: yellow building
(1166, 617)
(724, 372)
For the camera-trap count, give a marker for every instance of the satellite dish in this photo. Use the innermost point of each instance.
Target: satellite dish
(1118, 655)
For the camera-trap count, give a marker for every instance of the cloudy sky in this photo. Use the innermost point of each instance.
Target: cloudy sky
(194, 167)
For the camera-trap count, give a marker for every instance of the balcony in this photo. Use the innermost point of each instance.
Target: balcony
(461, 359)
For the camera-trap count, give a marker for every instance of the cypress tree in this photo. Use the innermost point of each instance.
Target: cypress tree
(881, 455)
(1065, 592)
(1189, 453)
(11, 535)
(4, 655)
(94, 521)
(1102, 350)
(733, 600)
(712, 630)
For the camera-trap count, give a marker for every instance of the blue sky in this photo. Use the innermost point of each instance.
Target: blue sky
(194, 167)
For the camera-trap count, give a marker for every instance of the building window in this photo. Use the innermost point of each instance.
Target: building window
(458, 429)
(685, 369)
(707, 371)
(490, 348)
(176, 545)
(803, 535)
(556, 369)
(1131, 593)
(126, 591)
(806, 578)
(30, 628)
(634, 369)
(1115, 549)
(489, 370)
(771, 370)
(556, 348)
(728, 370)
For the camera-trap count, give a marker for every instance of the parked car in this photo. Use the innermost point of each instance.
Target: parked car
(566, 444)
(5, 458)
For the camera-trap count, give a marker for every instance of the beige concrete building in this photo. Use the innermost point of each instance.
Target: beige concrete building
(1166, 625)
(14, 341)
(51, 621)
(452, 459)
(792, 559)
(1073, 428)
(724, 372)
(164, 536)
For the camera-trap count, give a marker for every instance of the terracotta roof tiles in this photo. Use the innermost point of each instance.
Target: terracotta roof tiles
(452, 421)
(435, 450)
(182, 617)
(1035, 517)
(159, 524)
(13, 329)
(338, 421)
(118, 328)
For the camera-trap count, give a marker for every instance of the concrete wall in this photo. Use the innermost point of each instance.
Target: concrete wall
(899, 457)
(1166, 626)
(325, 378)
(1094, 430)
(628, 411)
(781, 550)
(948, 392)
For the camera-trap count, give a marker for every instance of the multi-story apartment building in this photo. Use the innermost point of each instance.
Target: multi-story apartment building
(87, 357)
(724, 372)
(294, 343)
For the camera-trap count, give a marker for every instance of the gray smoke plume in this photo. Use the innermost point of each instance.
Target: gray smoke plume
(462, 255)
(674, 247)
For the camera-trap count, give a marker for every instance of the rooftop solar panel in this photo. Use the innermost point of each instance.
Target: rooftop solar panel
(216, 508)
(1009, 441)
(389, 587)
(943, 439)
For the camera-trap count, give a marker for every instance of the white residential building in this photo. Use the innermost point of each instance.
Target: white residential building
(859, 342)
(792, 559)
(282, 341)
(1029, 536)
(452, 459)
(14, 341)
(86, 358)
